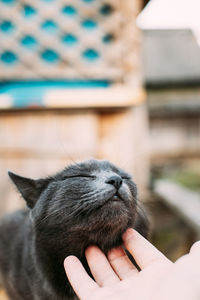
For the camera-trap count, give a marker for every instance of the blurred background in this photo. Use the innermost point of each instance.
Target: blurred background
(110, 79)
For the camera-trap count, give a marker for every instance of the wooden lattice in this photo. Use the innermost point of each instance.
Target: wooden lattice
(72, 39)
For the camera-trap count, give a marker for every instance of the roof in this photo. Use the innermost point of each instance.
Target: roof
(171, 51)
(171, 57)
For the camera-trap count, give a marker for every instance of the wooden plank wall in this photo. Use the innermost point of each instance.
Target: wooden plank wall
(39, 143)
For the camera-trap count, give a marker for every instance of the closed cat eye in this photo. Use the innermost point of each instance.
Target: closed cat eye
(126, 177)
(79, 176)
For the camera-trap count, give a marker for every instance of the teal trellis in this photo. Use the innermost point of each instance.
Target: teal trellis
(61, 39)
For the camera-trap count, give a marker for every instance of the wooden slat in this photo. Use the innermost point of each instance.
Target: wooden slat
(184, 201)
(94, 98)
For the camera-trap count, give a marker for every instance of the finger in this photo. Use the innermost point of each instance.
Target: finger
(195, 248)
(121, 263)
(143, 251)
(195, 251)
(81, 282)
(100, 267)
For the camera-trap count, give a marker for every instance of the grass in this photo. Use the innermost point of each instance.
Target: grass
(188, 179)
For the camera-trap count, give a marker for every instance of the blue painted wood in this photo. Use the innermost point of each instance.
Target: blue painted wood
(31, 93)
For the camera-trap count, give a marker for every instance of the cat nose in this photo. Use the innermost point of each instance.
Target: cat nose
(115, 180)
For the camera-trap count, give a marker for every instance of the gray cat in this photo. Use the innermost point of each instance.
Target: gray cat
(92, 202)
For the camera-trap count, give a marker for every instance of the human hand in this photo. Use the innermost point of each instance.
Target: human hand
(117, 279)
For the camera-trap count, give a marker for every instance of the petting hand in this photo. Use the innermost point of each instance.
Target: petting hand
(117, 279)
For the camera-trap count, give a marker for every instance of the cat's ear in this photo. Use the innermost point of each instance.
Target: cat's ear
(30, 189)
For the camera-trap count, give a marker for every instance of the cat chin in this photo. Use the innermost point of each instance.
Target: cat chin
(106, 229)
(110, 215)
(114, 203)
(110, 237)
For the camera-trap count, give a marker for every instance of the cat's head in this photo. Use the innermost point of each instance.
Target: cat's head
(92, 202)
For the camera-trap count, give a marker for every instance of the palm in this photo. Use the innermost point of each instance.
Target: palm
(116, 278)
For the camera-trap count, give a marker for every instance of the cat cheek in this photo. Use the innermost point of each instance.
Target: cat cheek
(126, 190)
